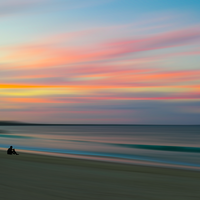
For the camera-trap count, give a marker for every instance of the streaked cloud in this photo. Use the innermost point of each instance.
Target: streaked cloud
(102, 74)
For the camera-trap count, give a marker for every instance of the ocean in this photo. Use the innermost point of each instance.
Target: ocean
(153, 145)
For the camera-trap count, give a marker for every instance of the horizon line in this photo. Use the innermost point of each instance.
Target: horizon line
(78, 124)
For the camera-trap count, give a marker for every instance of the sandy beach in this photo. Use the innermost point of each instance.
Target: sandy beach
(31, 177)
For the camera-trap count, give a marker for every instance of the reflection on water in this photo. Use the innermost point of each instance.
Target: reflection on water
(157, 145)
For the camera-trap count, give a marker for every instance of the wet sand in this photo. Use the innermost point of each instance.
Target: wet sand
(31, 177)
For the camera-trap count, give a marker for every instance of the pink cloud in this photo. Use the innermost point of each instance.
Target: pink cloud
(52, 55)
(159, 41)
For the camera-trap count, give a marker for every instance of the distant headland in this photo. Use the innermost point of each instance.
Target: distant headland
(7, 123)
(17, 123)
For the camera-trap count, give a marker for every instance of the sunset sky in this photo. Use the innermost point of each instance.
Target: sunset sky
(100, 61)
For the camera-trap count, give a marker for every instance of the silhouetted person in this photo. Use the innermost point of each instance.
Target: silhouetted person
(11, 151)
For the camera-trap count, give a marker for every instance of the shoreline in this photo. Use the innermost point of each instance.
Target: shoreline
(123, 161)
(51, 159)
(32, 176)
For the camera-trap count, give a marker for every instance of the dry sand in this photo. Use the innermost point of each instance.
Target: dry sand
(35, 177)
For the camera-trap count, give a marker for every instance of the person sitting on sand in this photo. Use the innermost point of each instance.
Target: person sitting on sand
(11, 151)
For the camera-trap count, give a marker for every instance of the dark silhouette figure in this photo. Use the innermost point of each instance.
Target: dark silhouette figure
(11, 151)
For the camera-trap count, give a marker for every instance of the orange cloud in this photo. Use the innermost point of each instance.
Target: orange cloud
(117, 80)
(35, 100)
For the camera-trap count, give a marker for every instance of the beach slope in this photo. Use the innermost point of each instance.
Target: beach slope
(30, 177)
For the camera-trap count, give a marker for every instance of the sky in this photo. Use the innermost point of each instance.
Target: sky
(100, 62)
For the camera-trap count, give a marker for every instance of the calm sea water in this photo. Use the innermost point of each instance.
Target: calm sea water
(168, 146)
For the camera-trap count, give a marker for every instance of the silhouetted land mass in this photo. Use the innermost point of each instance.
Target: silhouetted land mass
(8, 123)
(16, 123)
